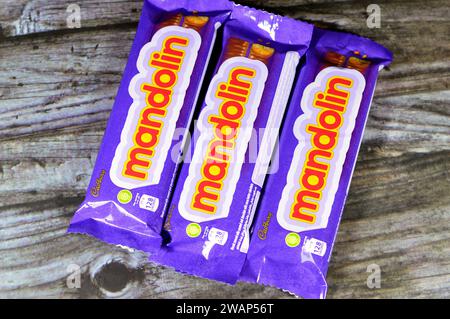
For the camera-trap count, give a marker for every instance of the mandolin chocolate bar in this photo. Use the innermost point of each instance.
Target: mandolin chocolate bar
(218, 189)
(302, 202)
(137, 163)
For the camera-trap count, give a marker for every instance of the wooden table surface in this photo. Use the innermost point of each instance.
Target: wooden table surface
(57, 86)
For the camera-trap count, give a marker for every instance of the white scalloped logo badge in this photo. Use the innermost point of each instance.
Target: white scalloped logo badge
(165, 67)
(225, 126)
(330, 105)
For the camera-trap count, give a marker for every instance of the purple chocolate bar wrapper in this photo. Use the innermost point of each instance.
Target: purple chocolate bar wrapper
(209, 236)
(302, 203)
(135, 168)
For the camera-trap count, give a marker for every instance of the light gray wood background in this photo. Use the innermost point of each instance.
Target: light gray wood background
(57, 86)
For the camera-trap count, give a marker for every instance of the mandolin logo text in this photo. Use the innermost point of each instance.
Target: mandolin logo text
(225, 126)
(324, 131)
(165, 66)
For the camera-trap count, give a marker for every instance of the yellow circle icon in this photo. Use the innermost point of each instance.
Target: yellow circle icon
(193, 230)
(292, 239)
(124, 196)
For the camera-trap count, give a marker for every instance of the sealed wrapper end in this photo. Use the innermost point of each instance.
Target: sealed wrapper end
(219, 186)
(302, 203)
(136, 166)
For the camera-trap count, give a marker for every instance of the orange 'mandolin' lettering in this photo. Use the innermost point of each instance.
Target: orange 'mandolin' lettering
(158, 95)
(332, 102)
(234, 95)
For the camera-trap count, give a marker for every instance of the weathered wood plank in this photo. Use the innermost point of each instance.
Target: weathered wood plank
(395, 204)
(411, 261)
(65, 165)
(23, 17)
(78, 85)
(83, 71)
(400, 30)
(421, 263)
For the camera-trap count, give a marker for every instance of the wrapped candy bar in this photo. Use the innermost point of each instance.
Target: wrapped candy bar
(302, 203)
(218, 189)
(137, 163)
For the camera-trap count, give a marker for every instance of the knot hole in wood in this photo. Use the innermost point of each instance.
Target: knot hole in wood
(114, 278)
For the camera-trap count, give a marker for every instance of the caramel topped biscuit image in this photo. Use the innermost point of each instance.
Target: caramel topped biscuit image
(236, 47)
(191, 22)
(334, 59)
(261, 53)
(172, 21)
(195, 22)
(339, 60)
(358, 64)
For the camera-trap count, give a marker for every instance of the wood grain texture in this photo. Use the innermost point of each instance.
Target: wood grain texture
(57, 86)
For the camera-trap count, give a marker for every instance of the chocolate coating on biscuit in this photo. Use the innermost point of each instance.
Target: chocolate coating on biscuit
(236, 47)
(195, 22)
(191, 22)
(171, 21)
(339, 60)
(358, 64)
(334, 59)
(261, 53)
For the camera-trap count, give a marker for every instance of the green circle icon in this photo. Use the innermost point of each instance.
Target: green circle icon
(124, 196)
(292, 239)
(193, 230)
